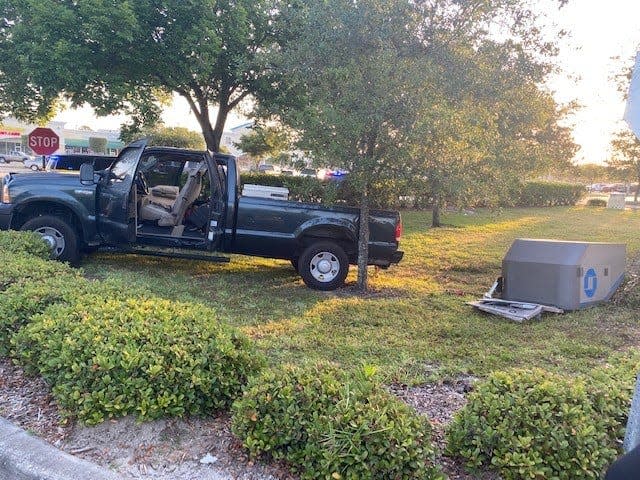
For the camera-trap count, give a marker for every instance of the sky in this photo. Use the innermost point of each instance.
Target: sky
(600, 31)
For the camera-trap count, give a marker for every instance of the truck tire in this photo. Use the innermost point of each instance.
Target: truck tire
(2, 160)
(61, 237)
(323, 266)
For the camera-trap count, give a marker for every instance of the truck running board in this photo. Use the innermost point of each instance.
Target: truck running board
(174, 254)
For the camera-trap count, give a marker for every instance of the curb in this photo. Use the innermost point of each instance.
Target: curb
(25, 457)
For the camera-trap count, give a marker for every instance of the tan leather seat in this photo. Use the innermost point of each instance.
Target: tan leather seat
(163, 195)
(168, 217)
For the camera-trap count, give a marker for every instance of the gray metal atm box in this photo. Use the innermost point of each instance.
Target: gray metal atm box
(568, 275)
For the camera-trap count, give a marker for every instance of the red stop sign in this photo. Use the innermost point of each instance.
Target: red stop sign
(44, 141)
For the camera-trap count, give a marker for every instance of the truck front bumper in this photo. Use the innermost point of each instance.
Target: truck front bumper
(6, 210)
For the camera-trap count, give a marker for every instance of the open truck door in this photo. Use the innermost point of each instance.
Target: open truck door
(116, 196)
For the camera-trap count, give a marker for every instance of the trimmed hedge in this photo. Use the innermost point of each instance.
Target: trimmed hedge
(535, 424)
(30, 243)
(148, 357)
(549, 194)
(24, 299)
(402, 194)
(301, 189)
(327, 424)
(596, 202)
(20, 267)
(610, 389)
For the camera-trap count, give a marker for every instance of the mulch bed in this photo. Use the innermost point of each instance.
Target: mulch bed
(189, 448)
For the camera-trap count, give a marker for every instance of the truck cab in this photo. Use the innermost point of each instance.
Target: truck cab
(159, 196)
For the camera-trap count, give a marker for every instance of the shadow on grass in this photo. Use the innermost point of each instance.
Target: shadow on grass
(246, 291)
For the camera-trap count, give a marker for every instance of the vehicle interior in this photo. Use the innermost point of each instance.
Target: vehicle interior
(174, 195)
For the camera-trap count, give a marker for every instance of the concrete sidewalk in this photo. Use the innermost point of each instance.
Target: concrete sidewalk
(25, 457)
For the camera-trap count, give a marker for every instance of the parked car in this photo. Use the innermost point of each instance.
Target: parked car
(73, 161)
(14, 156)
(155, 198)
(34, 164)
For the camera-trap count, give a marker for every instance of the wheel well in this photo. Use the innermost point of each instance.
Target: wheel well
(37, 209)
(328, 233)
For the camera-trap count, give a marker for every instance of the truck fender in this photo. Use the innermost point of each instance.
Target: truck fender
(329, 228)
(45, 204)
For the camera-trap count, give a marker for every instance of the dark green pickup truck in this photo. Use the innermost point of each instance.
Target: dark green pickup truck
(187, 204)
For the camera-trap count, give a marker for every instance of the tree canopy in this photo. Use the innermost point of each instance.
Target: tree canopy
(128, 56)
(178, 137)
(264, 141)
(486, 125)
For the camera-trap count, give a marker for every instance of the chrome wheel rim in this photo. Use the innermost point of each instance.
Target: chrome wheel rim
(324, 266)
(34, 168)
(53, 238)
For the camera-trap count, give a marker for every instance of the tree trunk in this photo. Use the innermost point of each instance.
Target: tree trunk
(435, 212)
(363, 243)
(200, 108)
(221, 119)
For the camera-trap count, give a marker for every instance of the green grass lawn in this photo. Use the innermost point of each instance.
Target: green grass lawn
(414, 324)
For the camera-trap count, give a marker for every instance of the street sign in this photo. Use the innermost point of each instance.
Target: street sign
(44, 141)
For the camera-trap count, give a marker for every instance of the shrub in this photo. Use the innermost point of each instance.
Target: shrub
(20, 267)
(532, 424)
(330, 425)
(596, 202)
(549, 194)
(610, 389)
(301, 189)
(148, 357)
(382, 194)
(31, 243)
(22, 300)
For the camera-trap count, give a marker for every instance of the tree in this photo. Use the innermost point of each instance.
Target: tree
(486, 124)
(588, 173)
(264, 142)
(486, 131)
(626, 156)
(387, 89)
(98, 144)
(344, 89)
(128, 56)
(169, 137)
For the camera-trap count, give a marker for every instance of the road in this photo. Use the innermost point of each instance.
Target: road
(12, 167)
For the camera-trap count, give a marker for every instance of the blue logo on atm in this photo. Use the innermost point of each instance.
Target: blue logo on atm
(590, 283)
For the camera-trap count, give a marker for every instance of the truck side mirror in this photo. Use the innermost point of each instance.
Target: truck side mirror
(87, 174)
